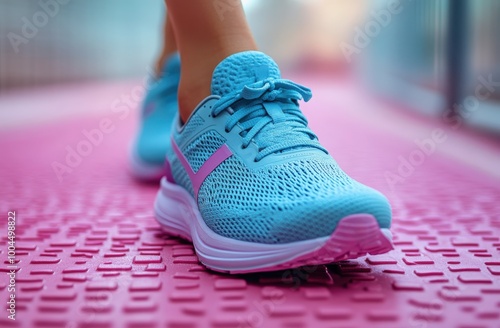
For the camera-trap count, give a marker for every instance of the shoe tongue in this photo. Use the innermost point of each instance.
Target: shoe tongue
(241, 69)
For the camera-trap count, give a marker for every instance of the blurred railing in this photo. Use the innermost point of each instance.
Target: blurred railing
(440, 57)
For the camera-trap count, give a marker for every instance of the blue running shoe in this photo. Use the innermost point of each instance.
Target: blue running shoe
(147, 157)
(250, 185)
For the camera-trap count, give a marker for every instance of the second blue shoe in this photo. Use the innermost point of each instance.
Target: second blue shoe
(159, 107)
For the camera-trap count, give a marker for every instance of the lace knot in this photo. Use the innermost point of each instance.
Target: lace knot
(271, 96)
(266, 103)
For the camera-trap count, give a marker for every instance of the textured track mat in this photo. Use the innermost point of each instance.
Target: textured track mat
(90, 254)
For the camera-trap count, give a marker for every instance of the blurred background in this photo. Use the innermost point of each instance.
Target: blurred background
(427, 56)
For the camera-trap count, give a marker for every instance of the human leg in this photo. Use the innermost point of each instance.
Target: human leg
(204, 38)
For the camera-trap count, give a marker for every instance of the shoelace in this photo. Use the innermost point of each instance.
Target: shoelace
(270, 101)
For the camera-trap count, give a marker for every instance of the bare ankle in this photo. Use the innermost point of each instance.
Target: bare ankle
(191, 93)
(197, 70)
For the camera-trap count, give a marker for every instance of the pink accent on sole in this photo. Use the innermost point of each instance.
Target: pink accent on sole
(355, 236)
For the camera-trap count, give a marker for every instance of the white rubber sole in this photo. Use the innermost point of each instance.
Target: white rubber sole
(355, 236)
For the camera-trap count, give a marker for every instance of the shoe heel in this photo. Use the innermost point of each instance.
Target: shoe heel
(171, 211)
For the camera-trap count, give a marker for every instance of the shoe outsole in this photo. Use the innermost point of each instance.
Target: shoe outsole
(355, 236)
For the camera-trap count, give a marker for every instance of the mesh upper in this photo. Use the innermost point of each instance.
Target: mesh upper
(202, 148)
(196, 154)
(179, 173)
(282, 203)
(289, 202)
(194, 124)
(301, 199)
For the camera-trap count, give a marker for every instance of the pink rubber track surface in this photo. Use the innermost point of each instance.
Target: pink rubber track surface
(91, 254)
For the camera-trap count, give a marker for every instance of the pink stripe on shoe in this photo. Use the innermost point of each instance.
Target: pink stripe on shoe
(210, 164)
(168, 171)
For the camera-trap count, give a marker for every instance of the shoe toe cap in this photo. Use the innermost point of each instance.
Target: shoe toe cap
(319, 217)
